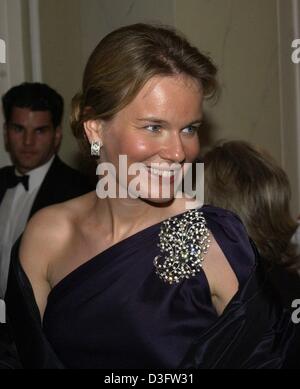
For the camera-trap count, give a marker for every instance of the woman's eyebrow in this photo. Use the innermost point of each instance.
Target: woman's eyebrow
(153, 120)
(161, 121)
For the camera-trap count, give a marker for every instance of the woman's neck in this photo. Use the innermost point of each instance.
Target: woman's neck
(123, 217)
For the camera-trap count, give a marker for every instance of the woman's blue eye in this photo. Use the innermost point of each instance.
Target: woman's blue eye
(190, 129)
(153, 128)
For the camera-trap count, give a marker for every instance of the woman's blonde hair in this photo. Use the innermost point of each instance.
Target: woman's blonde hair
(125, 60)
(242, 179)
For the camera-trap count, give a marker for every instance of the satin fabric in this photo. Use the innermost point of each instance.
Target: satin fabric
(114, 312)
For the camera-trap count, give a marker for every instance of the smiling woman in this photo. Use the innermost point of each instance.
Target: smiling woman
(152, 130)
(137, 282)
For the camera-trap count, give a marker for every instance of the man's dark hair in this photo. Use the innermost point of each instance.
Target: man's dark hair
(36, 97)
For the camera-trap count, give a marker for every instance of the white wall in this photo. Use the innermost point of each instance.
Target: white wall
(289, 29)
(3, 76)
(99, 17)
(249, 41)
(66, 47)
(13, 72)
(241, 37)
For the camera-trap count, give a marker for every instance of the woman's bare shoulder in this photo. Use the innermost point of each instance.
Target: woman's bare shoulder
(51, 228)
(49, 225)
(46, 239)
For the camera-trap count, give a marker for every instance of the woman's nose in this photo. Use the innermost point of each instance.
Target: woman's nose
(173, 149)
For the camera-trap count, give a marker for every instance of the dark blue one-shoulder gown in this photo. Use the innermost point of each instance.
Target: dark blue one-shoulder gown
(114, 311)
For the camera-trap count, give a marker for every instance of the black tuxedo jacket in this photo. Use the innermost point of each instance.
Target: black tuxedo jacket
(61, 183)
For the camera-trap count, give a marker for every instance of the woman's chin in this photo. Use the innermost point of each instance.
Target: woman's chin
(159, 202)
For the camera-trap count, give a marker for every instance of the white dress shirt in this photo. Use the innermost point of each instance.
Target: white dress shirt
(14, 212)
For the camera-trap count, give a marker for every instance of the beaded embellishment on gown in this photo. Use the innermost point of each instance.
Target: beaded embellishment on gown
(184, 240)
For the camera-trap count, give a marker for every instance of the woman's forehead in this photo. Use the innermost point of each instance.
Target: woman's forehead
(168, 84)
(176, 95)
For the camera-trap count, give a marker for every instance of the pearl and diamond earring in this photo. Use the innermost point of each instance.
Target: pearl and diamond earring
(96, 148)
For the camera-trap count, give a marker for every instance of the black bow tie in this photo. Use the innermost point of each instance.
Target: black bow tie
(13, 180)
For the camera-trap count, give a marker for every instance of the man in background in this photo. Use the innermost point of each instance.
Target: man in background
(32, 134)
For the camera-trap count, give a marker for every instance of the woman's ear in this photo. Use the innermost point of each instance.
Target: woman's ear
(93, 130)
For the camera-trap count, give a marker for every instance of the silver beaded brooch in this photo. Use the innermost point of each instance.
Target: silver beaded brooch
(184, 240)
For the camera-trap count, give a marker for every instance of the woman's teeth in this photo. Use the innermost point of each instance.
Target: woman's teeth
(162, 173)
